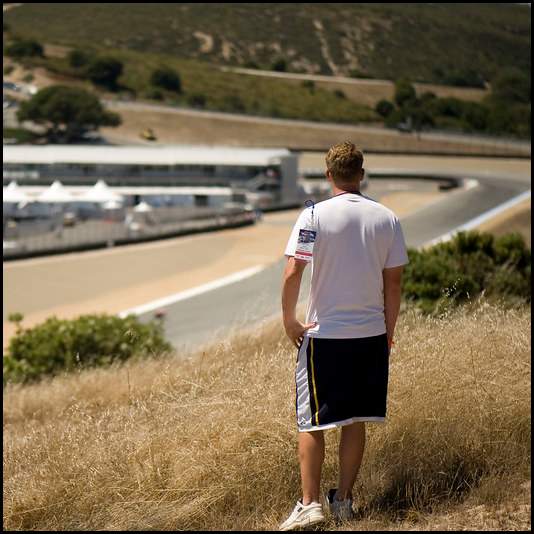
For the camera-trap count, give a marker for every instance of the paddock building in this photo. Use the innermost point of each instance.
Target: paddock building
(268, 175)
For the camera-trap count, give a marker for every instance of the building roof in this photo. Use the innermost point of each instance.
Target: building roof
(141, 155)
(33, 191)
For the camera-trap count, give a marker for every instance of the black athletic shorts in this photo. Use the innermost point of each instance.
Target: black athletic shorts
(341, 381)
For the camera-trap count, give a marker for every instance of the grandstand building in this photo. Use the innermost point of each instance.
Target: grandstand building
(267, 173)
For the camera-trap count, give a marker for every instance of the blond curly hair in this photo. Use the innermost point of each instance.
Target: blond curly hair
(344, 161)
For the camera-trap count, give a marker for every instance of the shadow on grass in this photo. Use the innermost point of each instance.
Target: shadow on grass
(414, 491)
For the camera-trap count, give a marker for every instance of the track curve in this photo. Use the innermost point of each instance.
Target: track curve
(214, 315)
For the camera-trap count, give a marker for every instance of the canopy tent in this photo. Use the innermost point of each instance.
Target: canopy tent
(143, 207)
(112, 205)
(56, 194)
(13, 194)
(100, 193)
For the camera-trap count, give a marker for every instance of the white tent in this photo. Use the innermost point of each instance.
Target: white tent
(56, 193)
(13, 194)
(143, 207)
(112, 205)
(100, 193)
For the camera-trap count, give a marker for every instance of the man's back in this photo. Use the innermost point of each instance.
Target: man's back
(357, 251)
(356, 238)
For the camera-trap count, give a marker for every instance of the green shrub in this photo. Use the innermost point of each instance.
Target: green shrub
(463, 78)
(470, 264)
(78, 58)
(93, 340)
(309, 84)
(20, 135)
(166, 78)
(384, 108)
(355, 73)
(24, 48)
(279, 65)
(404, 92)
(105, 71)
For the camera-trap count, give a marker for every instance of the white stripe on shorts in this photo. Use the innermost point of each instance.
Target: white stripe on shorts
(304, 413)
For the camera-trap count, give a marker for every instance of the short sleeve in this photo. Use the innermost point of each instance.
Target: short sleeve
(303, 221)
(397, 254)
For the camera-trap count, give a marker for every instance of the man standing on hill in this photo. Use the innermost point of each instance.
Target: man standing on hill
(357, 250)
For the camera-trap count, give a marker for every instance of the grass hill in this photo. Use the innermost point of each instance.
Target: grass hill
(458, 44)
(208, 442)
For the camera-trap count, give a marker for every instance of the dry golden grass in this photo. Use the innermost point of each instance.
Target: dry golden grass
(209, 442)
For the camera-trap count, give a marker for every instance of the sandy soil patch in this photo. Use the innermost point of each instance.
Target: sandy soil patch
(41, 77)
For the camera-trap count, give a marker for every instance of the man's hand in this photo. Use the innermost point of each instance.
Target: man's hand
(290, 294)
(295, 331)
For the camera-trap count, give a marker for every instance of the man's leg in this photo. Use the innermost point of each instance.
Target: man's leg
(311, 457)
(351, 449)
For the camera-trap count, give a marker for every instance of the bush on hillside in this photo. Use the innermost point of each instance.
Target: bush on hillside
(105, 71)
(384, 108)
(279, 65)
(24, 48)
(78, 58)
(460, 78)
(470, 264)
(93, 340)
(309, 84)
(166, 78)
(404, 92)
(506, 110)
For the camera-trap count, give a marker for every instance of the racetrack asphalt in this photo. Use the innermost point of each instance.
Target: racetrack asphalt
(214, 315)
(211, 316)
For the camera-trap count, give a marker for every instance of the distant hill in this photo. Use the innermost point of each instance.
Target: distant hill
(457, 44)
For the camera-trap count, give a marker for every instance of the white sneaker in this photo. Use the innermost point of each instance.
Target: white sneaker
(303, 516)
(341, 510)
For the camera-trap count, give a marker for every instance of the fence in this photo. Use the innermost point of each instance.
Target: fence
(27, 237)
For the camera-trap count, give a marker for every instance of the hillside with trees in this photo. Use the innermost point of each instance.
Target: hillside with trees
(456, 44)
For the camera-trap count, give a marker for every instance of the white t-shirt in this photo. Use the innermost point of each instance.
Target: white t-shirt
(355, 239)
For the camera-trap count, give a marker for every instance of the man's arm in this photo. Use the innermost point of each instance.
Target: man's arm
(392, 297)
(290, 295)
